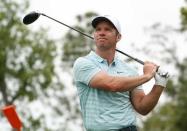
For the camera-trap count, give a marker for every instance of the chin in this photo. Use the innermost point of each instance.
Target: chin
(103, 48)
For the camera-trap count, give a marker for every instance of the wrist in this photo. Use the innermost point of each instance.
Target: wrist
(160, 83)
(148, 76)
(162, 86)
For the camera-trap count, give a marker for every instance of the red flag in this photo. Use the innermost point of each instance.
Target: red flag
(10, 113)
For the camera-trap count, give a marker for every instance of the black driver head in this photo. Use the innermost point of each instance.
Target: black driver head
(31, 17)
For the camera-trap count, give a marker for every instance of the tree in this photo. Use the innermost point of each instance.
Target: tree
(172, 115)
(75, 44)
(183, 12)
(28, 76)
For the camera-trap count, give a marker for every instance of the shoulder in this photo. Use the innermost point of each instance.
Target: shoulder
(82, 61)
(84, 69)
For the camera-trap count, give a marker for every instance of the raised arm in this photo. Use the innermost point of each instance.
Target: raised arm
(142, 103)
(116, 83)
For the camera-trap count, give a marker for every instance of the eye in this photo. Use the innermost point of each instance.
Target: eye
(107, 29)
(97, 29)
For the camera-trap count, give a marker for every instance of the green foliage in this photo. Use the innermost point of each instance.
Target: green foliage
(26, 57)
(172, 116)
(27, 69)
(162, 119)
(75, 44)
(183, 12)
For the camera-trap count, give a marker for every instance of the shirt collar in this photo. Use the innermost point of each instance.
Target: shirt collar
(100, 59)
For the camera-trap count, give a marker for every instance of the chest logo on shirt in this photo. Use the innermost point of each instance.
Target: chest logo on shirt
(119, 72)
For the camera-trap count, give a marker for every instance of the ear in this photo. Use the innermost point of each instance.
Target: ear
(118, 37)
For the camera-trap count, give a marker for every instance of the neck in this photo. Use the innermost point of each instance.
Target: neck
(106, 54)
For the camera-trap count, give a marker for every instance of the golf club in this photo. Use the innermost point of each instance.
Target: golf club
(33, 16)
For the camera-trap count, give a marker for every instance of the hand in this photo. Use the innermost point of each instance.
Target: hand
(161, 77)
(149, 69)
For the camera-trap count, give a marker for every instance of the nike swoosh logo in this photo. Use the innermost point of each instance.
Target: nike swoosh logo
(119, 72)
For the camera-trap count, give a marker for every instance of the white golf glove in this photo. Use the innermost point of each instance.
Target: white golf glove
(161, 77)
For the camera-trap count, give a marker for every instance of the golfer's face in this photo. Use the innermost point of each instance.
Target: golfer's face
(105, 35)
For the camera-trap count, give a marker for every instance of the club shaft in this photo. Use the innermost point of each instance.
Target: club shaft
(137, 60)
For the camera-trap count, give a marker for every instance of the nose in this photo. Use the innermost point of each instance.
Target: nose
(101, 33)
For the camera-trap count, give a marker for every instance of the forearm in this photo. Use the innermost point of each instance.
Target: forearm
(149, 101)
(103, 80)
(126, 83)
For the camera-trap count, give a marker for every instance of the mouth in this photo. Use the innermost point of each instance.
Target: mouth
(101, 39)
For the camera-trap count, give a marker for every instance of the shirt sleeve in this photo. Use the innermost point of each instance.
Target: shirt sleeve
(136, 74)
(84, 70)
(138, 87)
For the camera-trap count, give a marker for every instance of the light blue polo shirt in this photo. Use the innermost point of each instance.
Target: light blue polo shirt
(103, 110)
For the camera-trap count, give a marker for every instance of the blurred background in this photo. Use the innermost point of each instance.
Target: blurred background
(36, 60)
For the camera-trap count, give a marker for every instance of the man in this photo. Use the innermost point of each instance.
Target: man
(109, 89)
